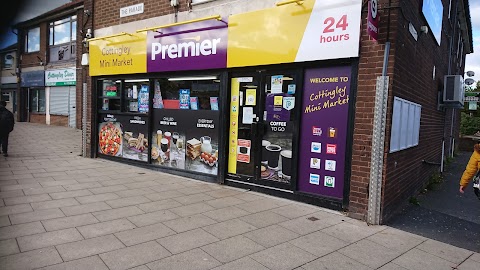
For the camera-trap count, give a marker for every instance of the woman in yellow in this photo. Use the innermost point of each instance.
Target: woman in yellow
(472, 167)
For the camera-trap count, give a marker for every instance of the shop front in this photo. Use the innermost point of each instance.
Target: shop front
(161, 106)
(269, 110)
(61, 96)
(32, 96)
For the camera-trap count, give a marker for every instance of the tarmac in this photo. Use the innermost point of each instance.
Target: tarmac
(59, 210)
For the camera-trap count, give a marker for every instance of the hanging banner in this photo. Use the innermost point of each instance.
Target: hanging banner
(372, 19)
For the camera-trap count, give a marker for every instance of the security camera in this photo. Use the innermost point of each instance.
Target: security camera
(89, 33)
(424, 29)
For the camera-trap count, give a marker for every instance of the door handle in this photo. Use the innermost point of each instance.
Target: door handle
(73, 107)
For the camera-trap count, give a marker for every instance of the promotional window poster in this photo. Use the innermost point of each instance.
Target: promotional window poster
(186, 139)
(123, 136)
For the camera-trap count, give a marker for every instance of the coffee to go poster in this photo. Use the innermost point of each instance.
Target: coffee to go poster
(324, 127)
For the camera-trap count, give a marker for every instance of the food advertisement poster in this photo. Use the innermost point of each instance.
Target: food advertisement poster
(324, 131)
(123, 136)
(186, 139)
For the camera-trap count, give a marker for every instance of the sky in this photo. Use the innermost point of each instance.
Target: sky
(472, 61)
(27, 9)
(31, 8)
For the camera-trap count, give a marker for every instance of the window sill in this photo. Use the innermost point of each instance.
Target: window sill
(203, 2)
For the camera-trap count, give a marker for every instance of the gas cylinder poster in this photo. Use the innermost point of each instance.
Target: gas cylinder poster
(324, 131)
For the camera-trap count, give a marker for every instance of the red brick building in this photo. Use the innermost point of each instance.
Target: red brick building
(295, 88)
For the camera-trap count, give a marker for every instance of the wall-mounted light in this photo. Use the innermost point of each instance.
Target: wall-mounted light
(85, 59)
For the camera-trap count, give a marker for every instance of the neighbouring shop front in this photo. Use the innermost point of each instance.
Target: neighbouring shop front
(61, 96)
(272, 113)
(32, 96)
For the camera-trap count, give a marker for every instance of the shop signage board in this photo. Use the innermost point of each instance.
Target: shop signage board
(125, 54)
(61, 77)
(315, 30)
(195, 46)
(33, 78)
(324, 127)
(372, 19)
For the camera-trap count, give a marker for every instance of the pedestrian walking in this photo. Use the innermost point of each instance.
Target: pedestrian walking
(7, 123)
(472, 171)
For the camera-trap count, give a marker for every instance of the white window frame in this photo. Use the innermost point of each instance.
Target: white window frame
(405, 130)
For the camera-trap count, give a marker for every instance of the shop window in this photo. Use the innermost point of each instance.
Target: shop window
(191, 93)
(405, 124)
(136, 96)
(109, 95)
(63, 34)
(37, 100)
(32, 40)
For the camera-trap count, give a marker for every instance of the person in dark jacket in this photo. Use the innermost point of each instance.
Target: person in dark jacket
(7, 122)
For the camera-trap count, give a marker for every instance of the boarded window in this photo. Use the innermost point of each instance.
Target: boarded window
(405, 124)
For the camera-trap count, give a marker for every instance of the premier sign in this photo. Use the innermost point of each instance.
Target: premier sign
(185, 49)
(197, 46)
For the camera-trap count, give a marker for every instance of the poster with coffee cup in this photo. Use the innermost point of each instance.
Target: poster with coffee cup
(276, 154)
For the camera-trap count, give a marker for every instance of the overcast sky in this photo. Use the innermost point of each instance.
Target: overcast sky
(29, 9)
(473, 60)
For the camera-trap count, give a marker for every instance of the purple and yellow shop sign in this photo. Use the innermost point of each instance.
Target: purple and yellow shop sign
(118, 54)
(195, 46)
(314, 30)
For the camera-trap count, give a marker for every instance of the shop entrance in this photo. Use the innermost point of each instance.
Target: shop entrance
(263, 128)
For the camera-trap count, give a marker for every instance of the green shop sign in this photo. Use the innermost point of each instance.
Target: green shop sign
(60, 77)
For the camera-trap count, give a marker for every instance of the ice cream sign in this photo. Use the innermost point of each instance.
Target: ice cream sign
(196, 46)
(60, 77)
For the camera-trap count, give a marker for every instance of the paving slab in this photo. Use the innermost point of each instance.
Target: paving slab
(90, 263)
(144, 234)
(232, 248)
(8, 247)
(31, 259)
(283, 256)
(335, 261)
(89, 247)
(152, 218)
(419, 259)
(36, 215)
(47, 239)
(195, 259)
(104, 228)
(69, 222)
(182, 242)
(129, 257)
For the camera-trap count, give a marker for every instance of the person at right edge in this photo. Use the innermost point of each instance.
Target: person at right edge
(7, 121)
(471, 170)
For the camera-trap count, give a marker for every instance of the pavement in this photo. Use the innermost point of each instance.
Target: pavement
(61, 211)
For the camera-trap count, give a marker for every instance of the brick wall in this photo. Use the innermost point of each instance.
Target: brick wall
(85, 77)
(370, 67)
(38, 118)
(406, 173)
(59, 120)
(108, 12)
